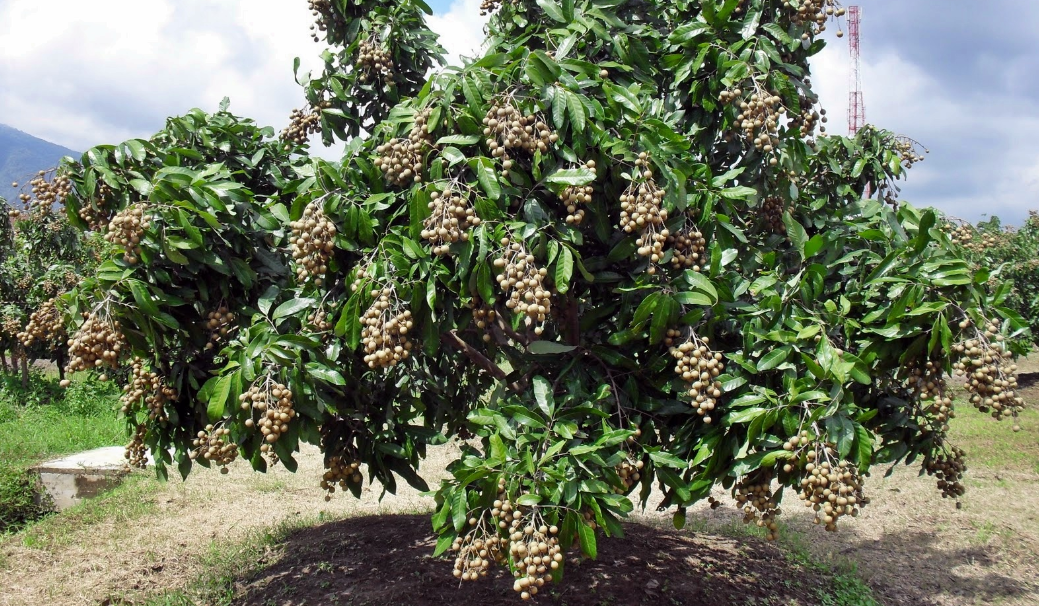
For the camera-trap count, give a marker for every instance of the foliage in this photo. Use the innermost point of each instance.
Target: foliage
(1012, 258)
(440, 280)
(42, 422)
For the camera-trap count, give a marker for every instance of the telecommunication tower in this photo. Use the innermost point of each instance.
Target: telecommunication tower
(856, 104)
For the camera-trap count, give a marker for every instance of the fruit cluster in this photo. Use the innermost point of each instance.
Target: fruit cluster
(508, 129)
(95, 213)
(990, 374)
(45, 194)
(312, 243)
(340, 470)
(522, 281)
(489, 6)
(642, 211)
(907, 151)
(273, 402)
(127, 229)
(833, 490)
(576, 197)
(698, 367)
(688, 249)
(218, 322)
(477, 550)
(758, 118)
(815, 13)
(451, 219)
(304, 123)
(384, 330)
(630, 473)
(147, 385)
(401, 159)
(534, 550)
(772, 208)
(949, 468)
(483, 318)
(45, 326)
(98, 342)
(319, 321)
(213, 444)
(324, 17)
(753, 495)
(928, 386)
(374, 61)
(136, 452)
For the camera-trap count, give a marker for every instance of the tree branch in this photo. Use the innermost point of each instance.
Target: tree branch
(451, 338)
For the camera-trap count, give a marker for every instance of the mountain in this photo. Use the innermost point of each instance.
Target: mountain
(22, 156)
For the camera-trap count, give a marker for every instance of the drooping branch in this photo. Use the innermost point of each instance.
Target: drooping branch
(451, 338)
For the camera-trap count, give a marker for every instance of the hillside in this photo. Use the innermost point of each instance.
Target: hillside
(22, 156)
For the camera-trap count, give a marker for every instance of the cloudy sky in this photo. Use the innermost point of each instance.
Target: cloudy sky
(958, 76)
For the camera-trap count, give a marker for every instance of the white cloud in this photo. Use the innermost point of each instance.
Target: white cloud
(460, 30)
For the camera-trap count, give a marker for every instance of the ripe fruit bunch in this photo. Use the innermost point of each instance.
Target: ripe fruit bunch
(146, 385)
(521, 280)
(98, 342)
(483, 318)
(689, 248)
(535, 552)
(451, 219)
(949, 467)
(312, 242)
(218, 322)
(929, 387)
(773, 211)
(324, 17)
(477, 550)
(340, 470)
(699, 367)
(991, 376)
(642, 212)
(303, 123)
(816, 13)
(374, 60)
(45, 194)
(136, 452)
(758, 117)
(401, 159)
(809, 120)
(833, 490)
(127, 228)
(507, 129)
(753, 494)
(384, 331)
(45, 326)
(273, 401)
(213, 444)
(489, 6)
(95, 214)
(577, 196)
(630, 474)
(906, 149)
(319, 321)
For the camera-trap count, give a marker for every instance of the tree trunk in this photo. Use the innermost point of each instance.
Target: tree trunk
(25, 371)
(3, 360)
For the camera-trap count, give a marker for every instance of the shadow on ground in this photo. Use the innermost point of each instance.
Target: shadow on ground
(386, 560)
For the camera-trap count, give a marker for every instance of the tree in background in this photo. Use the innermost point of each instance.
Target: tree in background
(617, 248)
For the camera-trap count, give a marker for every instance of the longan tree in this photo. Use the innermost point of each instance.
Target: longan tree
(617, 249)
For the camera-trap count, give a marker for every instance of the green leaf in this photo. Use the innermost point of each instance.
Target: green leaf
(292, 307)
(218, 396)
(552, 10)
(458, 140)
(586, 536)
(325, 374)
(488, 178)
(572, 176)
(143, 298)
(543, 395)
(544, 348)
(774, 358)
(564, 270)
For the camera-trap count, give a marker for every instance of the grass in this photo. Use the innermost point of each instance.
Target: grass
(992, 444)
(227, 563)
(43, 422)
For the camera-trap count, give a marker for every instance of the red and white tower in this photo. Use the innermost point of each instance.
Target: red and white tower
(856, 105)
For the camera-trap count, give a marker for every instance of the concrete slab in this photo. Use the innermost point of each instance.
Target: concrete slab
(69, 480)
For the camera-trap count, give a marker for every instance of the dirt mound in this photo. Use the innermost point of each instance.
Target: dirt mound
(386, 560)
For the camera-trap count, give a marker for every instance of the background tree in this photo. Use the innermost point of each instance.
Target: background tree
(617, 247)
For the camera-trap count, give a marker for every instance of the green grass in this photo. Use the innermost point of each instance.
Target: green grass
(45, 421)
(993, 444)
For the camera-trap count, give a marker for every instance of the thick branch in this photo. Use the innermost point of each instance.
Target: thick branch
(451, 338)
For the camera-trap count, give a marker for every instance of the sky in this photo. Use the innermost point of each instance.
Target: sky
(960, 77)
